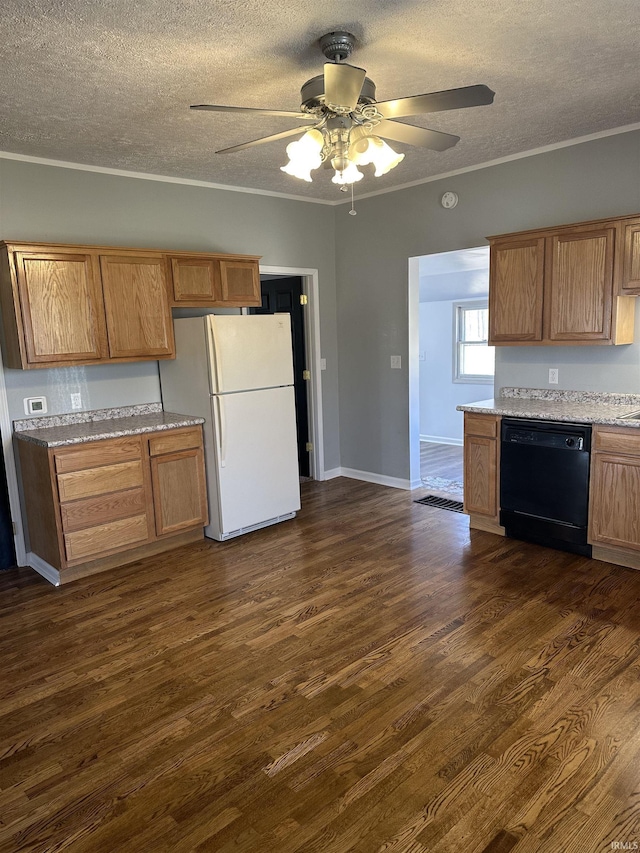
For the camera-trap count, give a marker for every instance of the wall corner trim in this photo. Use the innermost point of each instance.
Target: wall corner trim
(43, 568)
(369, 477)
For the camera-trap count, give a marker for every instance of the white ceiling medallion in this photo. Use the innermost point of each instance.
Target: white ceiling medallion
(449, 200)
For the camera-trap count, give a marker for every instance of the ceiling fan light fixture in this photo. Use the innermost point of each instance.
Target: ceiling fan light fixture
(372, 149)
(350, 174)
(304, 154)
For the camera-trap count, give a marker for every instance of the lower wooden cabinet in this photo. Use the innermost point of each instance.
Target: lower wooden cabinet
(614, 506)
(482, 470)
(179, 488)
(99, 504)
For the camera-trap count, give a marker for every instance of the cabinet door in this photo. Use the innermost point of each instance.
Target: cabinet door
(579, 285)
(240, 283)
(631, 261)
(139, 323)
(614, 517)
(195, 280)
(480, 475)
(515, 291)
(179, 491)
(62, 307)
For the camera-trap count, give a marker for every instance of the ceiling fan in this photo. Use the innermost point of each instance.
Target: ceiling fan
(344, 127)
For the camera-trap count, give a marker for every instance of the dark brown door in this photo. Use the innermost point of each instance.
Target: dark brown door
(282, 295)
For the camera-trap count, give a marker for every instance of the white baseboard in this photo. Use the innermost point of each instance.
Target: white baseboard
(43, 568)
(332, 473)
(441, 439)
(368, 477)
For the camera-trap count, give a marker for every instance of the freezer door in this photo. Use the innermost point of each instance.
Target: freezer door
(256, 457)
(249, 351)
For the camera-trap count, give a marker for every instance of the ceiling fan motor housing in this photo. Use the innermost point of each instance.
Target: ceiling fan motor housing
(337, 46)
(312, 92)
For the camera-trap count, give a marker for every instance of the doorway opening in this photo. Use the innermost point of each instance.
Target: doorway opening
(448, 334)
(295, 291)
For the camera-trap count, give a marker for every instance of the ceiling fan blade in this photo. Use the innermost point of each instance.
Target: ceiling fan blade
(264, 139)
(433, 102)
(420, 136)
(342, 85)
(220, 109)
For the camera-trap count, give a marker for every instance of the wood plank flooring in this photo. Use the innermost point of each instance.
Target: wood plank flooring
(368, 677)
(441, 462)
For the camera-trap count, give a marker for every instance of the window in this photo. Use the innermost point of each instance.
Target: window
(473, 358)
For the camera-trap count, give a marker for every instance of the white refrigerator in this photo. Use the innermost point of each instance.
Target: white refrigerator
(236, 372)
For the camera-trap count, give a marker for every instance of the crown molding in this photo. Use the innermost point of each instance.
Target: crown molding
(533, 152)
(146, 176)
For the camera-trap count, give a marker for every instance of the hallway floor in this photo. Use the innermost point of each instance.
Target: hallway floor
(441, 469)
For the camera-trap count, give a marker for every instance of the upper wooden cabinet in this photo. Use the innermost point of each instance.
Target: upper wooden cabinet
(563, 286)
(64, 305)
(137, 307)
(630, 250)
(61, 299)
(230, 281)
(516, 279)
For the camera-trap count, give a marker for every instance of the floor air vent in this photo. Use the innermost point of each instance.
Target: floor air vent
(442, 503)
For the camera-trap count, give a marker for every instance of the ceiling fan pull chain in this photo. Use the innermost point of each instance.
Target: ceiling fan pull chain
(353, 211)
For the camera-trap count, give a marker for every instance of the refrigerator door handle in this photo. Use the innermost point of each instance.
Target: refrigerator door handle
(221, 431)
(215, 358)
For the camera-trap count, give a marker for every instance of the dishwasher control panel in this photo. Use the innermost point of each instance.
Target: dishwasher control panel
(546, 434)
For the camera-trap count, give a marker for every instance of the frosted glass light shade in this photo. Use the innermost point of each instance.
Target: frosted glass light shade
(304, 154)
(372, 149)
(348, 175)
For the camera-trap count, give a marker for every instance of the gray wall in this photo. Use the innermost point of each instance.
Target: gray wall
(439, 394)
(587, 181)
(363, 271)
(52, 204)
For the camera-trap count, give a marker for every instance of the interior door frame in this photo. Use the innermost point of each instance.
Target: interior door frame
(313, 353)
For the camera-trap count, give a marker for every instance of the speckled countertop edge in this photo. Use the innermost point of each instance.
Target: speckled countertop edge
(569, 406)
(122, 422)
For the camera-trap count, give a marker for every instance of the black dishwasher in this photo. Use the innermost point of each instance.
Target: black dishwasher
(544, 483)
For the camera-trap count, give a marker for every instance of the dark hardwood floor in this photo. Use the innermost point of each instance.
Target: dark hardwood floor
(368, 677)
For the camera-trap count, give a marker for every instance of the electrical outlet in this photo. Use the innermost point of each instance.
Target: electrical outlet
(553, 376)
(396, 362)
(76, 401)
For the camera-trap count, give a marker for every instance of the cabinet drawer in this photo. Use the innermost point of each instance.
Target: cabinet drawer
(96, 453)
(617, 440)
(90, 512)
(175, 440)
(104, 538)
(99, 481)
(484, 425)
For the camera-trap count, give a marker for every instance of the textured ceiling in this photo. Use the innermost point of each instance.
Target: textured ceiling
(109, 82)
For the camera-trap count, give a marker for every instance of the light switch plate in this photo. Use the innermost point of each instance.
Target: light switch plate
(396, 362)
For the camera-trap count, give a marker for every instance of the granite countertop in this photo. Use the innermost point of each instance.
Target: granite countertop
(571, 406)
(80, 427)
